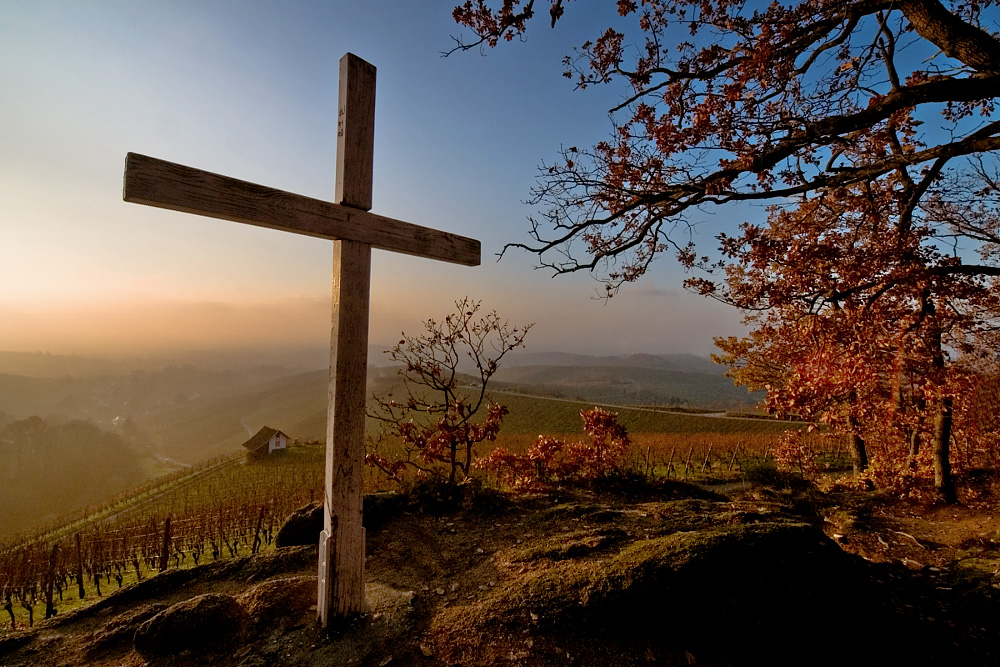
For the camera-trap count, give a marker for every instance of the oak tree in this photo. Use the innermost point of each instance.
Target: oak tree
(853, 319)
(731, 102)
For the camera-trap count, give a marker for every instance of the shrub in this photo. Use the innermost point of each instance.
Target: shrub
(434, 420)
(762, 472)
(551, 460)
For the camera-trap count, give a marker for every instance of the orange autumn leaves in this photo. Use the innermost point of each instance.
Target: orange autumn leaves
(858, 323)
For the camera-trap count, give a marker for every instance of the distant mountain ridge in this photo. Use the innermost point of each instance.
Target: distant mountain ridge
(44, 364)
(673, 362)
(287, 360)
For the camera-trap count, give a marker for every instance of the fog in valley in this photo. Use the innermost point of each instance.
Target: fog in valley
(75, 430)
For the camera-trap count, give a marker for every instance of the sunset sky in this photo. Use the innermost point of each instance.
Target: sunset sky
(249, 89)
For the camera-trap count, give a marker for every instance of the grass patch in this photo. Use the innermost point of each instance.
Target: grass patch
(534, 415)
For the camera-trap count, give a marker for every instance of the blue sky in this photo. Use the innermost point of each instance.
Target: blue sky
(249, 89)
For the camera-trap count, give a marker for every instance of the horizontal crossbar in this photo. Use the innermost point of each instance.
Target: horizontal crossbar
(173, 186)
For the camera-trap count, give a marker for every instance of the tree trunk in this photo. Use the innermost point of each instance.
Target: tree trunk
(912, 434)
(9, 608)
(165, 548)
(859, 454)
(914, 448)
(958, 39)
(943, 481)
(138, 570)
(915, 439)
(454, 464)
(256, 533)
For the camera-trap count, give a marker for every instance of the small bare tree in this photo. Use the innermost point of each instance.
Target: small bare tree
(433, 420)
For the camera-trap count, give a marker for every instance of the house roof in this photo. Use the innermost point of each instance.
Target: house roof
(261, 438)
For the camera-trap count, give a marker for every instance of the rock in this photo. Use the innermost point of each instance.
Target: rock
(278, 601)
(718, 593)
(266, 565)
(303, 526)
(206, 623)
(122, 628)
(974, 571)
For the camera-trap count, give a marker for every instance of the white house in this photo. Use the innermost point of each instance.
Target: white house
(266, 441)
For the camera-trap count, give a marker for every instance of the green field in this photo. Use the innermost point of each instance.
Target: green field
(535, 415)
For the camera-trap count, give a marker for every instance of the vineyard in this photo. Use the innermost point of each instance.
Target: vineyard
(221, 509)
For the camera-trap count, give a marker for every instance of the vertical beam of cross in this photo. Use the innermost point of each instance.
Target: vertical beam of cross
(342, 549)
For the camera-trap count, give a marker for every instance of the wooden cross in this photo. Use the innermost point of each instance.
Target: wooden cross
(354, 232)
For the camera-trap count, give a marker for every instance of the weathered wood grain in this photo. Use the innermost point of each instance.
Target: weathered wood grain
(355, 132)
(168, 185)
(345, 426)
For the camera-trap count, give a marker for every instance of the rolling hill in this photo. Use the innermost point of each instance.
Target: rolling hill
(640, 379)
(185, 414)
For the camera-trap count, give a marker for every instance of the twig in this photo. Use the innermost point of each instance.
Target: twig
(915, 540)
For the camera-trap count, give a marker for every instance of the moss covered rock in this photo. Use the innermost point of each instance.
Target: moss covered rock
(714, 596)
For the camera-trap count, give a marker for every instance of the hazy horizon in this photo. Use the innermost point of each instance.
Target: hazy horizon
(169, 328)
(304, 357)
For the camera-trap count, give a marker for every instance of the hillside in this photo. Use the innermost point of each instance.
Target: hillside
(639, 379)
(530, 414)
(671, 575)
(212, 425)
(134, 395)
(48, 470)
(671, 362)
(630, 385)
(179, 415)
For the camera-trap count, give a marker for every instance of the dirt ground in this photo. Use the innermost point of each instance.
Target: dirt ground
(671, 574)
